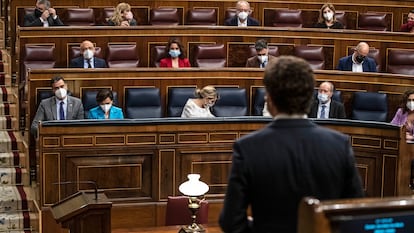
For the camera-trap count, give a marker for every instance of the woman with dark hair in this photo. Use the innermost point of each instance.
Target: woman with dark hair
(406, 106)
(105, 109)
(175, 55)
(327, 18)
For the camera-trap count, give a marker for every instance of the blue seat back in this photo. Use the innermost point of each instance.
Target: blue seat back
(143, 103)
(232, 102)
(370, 106)
(177, 97)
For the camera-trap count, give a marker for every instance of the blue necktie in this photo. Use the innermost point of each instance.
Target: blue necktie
(61, 111)
(323, 112)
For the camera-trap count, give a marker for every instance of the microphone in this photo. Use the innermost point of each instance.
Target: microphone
(95, 186)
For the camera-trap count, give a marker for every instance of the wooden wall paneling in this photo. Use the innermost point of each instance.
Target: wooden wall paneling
(206, 149)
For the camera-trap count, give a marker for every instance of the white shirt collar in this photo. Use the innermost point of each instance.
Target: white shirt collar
(292, 116)
(240, 24)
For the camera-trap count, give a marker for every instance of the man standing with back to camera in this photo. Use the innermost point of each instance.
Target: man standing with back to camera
(275, 167)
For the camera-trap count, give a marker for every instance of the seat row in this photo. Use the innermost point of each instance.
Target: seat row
(146, 102)
(125, 55)
(376, 21)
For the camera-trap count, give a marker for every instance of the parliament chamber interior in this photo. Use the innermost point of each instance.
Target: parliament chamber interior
(137, 164)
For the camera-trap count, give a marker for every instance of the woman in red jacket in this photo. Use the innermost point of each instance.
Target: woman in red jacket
(175, 55)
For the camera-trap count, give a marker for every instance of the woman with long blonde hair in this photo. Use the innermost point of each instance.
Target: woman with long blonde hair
(122, 16)
(327, 18)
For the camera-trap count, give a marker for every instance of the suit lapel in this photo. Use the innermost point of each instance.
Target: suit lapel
(53, 107)
(69, 110)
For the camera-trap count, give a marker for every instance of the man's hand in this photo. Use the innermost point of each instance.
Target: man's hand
(52, 12)
(45, 15)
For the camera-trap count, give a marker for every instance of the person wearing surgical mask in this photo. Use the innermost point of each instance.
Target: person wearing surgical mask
(201, 105)
(105, 108)
(175, 55)
(60, 106)
(122, 16)
(242, 17)
(42, 16)
(327, 18)
(359, 61)
(406, 106)
(409, 26)
(87, 58)
(262, 57)
(324, 106)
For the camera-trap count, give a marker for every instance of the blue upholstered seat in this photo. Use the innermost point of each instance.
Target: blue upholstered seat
(143, 103)
(370, 106)
(232, 102)
(258, 101)
(177, 97)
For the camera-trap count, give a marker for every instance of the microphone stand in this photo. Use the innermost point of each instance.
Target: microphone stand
(81, 182)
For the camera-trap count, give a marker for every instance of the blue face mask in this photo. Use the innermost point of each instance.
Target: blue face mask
(175, 53)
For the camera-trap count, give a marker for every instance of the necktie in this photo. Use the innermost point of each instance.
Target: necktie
(61, 111)
(323, 112)
(89, 64)
(262, 65)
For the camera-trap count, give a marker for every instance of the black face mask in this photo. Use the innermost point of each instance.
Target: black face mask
(360, 58)
(38, 13)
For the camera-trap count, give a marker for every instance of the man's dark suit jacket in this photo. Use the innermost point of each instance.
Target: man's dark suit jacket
(345, 64)
(254, 62)
(77, 62)
(275, 167)
(336, 110)
(30, 20)
(233, 21)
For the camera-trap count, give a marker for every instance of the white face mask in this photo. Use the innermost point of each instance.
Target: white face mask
(263, 58)
(88, 54)
(323, 98)
(328, 16)
(410, 105)
(243, 15)
(61, 93)
(106, 107)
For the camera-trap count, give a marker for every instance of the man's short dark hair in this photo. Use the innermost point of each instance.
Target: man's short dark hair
(56, 79)
(290, 84)
(103, 94)
(260, 44)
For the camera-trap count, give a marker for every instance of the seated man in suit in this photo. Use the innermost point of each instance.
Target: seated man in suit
(43, 16)
(58, 107)
(358, 61)
(262, 57)
(242, 18)
(87, 58)
(325, 107)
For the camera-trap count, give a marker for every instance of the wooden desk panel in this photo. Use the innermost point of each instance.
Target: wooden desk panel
(148, 173)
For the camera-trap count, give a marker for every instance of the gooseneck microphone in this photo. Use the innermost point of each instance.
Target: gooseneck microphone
(95, 186)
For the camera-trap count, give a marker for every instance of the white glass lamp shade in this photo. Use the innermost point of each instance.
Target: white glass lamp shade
(193, 187)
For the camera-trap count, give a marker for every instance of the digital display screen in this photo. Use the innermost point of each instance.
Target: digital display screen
(390, 222)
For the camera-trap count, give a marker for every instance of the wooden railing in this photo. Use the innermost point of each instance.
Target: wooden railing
(336, 43)
(118, 80)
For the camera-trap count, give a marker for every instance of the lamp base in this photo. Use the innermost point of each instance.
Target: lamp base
(194, 228)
